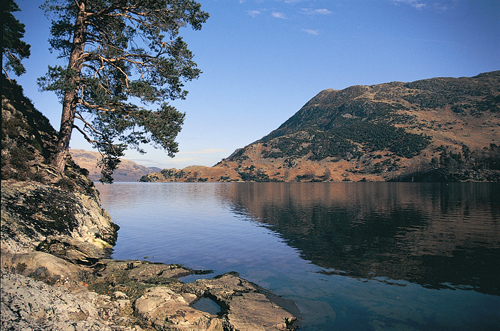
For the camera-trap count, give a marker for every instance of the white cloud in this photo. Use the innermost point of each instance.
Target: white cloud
(322, 11)
(419, 5)
(253, 13)
(437, 5)
(311, 31)
(278, 15)
(413, 3)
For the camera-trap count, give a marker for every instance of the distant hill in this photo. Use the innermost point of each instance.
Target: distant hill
(128, 171)
(439, 129)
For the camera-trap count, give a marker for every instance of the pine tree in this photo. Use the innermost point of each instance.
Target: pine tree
(124, 58)
(13, 48)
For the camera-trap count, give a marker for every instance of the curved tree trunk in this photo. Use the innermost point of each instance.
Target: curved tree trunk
(70, 100)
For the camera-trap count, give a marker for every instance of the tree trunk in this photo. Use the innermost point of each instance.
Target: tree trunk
(70, 99)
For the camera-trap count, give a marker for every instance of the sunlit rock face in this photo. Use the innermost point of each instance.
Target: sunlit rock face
(37, 216)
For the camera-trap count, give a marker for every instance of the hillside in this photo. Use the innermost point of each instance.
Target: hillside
(439, 129)
(128, 171)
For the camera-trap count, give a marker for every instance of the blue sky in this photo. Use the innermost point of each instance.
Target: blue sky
(262, 60)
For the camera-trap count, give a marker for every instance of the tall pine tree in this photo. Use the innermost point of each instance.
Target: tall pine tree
(124, 58)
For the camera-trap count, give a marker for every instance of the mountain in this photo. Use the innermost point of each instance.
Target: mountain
(439, 129)
(128, 171)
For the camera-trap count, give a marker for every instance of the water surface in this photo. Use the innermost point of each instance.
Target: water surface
(352, 256)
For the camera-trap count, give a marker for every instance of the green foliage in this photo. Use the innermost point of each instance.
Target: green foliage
(173, 173)
(343, 141)
(110, 160)
(13, 48)
(462, 94)
(124, 58)
(249, 174)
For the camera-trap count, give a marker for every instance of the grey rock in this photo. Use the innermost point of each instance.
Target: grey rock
(36, 215)
(28, 304)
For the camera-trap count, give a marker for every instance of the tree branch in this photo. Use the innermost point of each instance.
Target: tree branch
(91, 141)
(6, 74)
(87, 124)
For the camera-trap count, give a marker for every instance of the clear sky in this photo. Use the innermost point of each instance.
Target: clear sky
(262, 60)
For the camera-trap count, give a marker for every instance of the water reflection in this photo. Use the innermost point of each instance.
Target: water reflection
(352, 256)
(435, 235)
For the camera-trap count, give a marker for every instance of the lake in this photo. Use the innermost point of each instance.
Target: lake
(352, 256)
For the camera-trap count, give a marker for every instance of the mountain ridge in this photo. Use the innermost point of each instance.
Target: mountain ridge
(437, 129)
(127, 171)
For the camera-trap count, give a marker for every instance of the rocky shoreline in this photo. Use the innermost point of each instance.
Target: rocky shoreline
(56, 241)
(57, 277)
(132, 295)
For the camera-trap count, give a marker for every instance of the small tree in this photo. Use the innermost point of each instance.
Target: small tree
(13, 48)
(123, 55)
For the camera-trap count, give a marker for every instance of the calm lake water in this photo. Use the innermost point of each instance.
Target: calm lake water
(352, 256)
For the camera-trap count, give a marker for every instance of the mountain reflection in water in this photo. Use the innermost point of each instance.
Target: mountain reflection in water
(437, 235)
(351, 256)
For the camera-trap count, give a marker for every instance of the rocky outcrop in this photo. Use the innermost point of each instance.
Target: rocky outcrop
(246, 306)
(28, 304)
(41, 209)
(131, 295)
(36, 216)
(55, 241)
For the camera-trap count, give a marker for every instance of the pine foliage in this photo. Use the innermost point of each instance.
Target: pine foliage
(126, 60)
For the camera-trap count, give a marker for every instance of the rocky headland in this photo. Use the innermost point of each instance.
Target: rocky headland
(439, 129)
(56, 241)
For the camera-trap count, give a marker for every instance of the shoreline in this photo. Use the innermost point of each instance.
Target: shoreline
(66, 280)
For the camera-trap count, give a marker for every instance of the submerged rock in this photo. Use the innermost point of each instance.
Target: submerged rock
(246, 305)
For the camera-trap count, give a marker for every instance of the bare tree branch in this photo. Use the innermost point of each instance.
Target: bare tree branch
(91, 141)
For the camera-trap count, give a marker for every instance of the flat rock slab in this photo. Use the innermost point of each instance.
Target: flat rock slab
(148, 272)
(247, 306)
(255, 312)
(131, 295)
(244, 305)
(168, 309)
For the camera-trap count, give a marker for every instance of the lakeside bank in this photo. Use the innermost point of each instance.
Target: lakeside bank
(56, 241)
